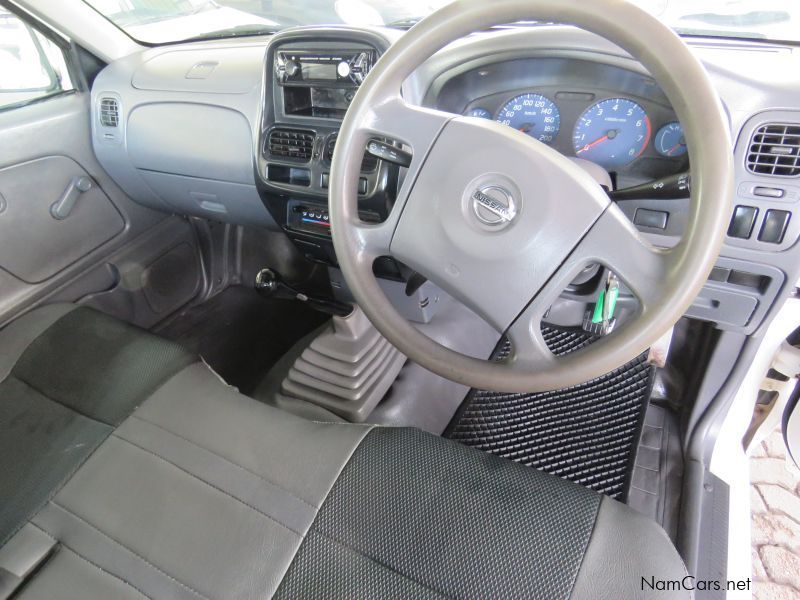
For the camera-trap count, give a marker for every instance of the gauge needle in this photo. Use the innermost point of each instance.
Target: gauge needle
(675, 147)
(593, 144)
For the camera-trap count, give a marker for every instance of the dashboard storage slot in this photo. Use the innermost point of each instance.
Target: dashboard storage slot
(737, 294)
(290, 175)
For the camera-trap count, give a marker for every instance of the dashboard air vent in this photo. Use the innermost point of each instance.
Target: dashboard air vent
(370, 162)
(775, 150)
(291, 143)
(109, 112)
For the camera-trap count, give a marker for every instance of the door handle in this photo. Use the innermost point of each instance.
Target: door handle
(62, 207)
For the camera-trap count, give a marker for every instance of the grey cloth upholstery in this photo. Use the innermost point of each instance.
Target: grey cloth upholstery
(203, 493)
(98, 366)
(69, 375)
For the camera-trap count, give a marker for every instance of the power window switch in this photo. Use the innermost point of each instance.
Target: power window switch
(774, 227)
(744, 218)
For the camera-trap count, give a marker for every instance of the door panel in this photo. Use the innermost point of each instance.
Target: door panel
(51, 243)
(124, 238)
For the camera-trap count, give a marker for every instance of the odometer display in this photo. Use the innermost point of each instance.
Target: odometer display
(612, 133)
(532, 114)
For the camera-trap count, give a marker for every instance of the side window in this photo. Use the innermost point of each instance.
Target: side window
(31, 66)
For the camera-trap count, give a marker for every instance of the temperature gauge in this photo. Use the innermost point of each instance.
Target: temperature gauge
(670, 140)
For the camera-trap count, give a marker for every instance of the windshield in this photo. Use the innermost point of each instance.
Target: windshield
(162, 21)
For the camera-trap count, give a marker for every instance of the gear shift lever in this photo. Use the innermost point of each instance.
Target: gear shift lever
(269, 284)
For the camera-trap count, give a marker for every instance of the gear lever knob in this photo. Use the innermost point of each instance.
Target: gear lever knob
(269, 283)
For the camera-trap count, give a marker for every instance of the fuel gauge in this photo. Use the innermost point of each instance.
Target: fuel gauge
(478, 112)
(670, 140)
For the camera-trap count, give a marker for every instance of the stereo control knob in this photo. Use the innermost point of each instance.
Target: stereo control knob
(292, 67)
(343, 69)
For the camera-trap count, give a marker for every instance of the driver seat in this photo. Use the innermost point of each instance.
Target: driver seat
(129, 469)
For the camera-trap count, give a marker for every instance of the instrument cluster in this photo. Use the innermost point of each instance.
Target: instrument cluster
(612, 132)
(613, 116)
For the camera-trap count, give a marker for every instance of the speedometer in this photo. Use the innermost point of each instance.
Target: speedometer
(612, 133)
(532, 114)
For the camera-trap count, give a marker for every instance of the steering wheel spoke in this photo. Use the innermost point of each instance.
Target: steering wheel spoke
(529, 350)
(612, 242)
(391, 120)
(396, 120)
(616, 244)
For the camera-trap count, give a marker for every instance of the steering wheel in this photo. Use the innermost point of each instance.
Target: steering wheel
(504, 223)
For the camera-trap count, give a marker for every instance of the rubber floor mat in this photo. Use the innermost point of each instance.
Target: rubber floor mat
(587, 433)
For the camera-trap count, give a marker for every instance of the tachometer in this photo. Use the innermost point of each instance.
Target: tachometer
(612, 133)
(532, 114)
(670, 140)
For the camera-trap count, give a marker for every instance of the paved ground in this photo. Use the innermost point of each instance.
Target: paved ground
(775, 499)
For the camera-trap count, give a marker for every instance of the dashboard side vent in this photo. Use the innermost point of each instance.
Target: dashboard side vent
(775, 150)
(109, 112)
(369, 164)
(291, 143)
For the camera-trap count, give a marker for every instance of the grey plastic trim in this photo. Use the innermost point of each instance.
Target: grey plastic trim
(748, 181)
(229, 71)
(200, 127)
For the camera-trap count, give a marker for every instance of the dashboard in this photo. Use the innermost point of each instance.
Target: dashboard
(243, 131)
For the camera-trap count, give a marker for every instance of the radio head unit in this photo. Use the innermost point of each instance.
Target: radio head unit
(309, 67)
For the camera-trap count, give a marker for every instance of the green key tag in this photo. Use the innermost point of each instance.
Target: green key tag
(602, 320)
(597, 317)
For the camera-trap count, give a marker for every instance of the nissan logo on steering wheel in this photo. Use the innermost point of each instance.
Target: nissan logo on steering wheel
(494, 206)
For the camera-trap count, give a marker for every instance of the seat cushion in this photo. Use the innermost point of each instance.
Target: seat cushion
(203, 493)
(68, 376)
(426, 517)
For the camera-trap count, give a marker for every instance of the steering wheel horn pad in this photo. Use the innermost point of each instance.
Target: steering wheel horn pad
(494, 269)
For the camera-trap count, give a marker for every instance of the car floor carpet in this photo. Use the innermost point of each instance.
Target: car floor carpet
(240, 334)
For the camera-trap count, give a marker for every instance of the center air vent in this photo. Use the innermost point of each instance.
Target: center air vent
(368, 164)
(775, 150)
(109, 112)
(291, 143)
